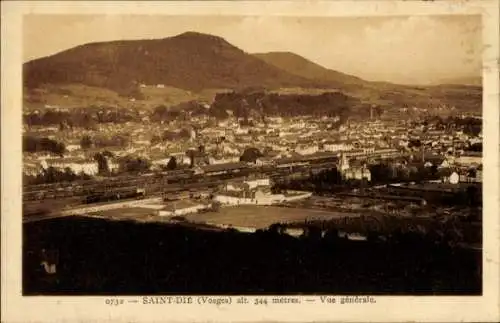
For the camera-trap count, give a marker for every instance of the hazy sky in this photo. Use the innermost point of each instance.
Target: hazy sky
(417, 49)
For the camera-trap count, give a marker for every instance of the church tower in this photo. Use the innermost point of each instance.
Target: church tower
(344, 163)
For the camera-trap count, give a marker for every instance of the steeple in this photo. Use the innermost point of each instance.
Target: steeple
(344, 162)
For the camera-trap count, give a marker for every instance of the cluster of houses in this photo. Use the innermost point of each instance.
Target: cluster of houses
(276, 138)
(254, 192)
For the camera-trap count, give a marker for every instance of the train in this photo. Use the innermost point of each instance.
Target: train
(115, 196)
(158, 179)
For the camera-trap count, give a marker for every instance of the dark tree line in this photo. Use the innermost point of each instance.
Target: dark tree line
(180, 111)
(163, 113)
(169, 135)
(100, 141)
(387, 172)
(54, 175)
(102, 159)
(133, 164)
(126, 164)
(34, 144)
(167, 259)
(172, 163)
(243, 105)
(250, 155)
(381, 173)
(86, 117)
(477, 147)
(469, 125)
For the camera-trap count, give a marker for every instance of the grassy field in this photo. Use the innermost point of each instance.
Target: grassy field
(126, 212)
(78, 95)
(262, 216)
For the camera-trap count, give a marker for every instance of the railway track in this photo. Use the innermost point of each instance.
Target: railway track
(82, 187)
(152, 184)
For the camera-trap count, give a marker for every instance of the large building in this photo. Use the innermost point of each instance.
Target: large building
(254, 192)
(356, 172)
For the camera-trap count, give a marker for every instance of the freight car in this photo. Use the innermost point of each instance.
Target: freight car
(115, 196)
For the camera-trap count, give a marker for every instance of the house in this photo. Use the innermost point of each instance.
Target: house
(223, 160)
(473, 175)
(306, 149)
(360, 173)
(254, 192)
(72, 147)
(197, 157)
(113, 164)
(337, 146)
(479, 173)
(182, 207)
(159, 163)
(385, 153)
(470, 158)
(291, 161)
(275, 120)
(448, 161)
(452, 178)
(449, 175)
(432, 160)
(227, 149)
(368, 150)
(218, 169)
(263, 161)
(32, 169)
(180, 157)
(254, 183)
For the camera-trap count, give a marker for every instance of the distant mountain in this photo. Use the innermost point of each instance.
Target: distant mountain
(467, 80)
(298, 65)
(191, 61)
(195, 62)
(349, 84)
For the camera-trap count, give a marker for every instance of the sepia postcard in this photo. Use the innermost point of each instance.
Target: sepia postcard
(226, 161)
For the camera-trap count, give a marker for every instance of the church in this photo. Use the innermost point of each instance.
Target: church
(353, 172)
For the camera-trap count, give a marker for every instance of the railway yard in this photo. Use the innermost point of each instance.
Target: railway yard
(42, 201)
(38, 198)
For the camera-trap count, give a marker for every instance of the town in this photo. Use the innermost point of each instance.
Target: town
(184, 165)
(377, 150)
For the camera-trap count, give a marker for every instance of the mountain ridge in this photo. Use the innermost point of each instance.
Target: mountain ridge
(299, 65)
(191, 61)
(196, 62)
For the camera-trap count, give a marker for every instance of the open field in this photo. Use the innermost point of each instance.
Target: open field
(124, 213)
(262, 216)
(79, 95)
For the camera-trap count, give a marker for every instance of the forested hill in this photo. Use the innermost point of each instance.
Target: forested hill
(333, 104)
(190, 61)
(193, 66)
